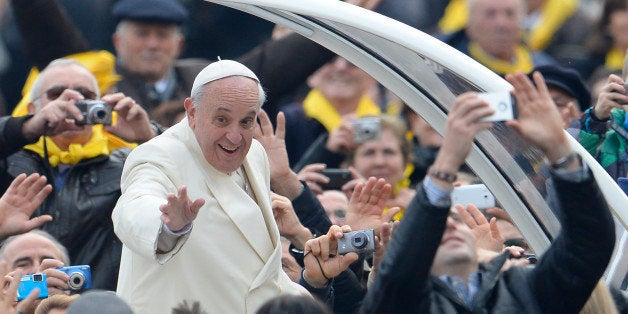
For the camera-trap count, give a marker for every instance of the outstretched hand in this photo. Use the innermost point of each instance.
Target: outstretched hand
(282, 179)
(538, 119)
(486, 233)
(133, 124)
(180, 210)
(367, 204)
(19, 202)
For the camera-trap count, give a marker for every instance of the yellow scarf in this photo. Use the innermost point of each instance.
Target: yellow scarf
(522, 61)
(102, 65)
(553, 15)
(455, 17)
(317, 107)
(615, 59)
(96, 146)
(404, 183)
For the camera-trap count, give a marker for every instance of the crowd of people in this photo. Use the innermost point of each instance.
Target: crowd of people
(193, 185)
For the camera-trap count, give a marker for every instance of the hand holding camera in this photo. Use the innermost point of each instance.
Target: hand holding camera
(613, 95)
(30, 282)
(366, 129)
(132, 123)
(80, 277)
(321, 259)
(55, 117)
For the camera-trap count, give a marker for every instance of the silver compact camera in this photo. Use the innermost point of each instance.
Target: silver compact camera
(366, 129)
(361, 241)
(94, 112)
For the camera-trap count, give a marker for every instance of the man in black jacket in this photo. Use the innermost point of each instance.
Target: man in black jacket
(78, 161)
(431, 265)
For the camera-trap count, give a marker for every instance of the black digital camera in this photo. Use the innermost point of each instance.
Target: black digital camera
(361, 241)
(80, 277)
(94, 112)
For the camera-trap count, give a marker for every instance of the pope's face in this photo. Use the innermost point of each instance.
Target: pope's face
(224, 119)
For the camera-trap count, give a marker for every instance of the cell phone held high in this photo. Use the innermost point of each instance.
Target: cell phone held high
(476, 194)
(504, 105)
(337, 178)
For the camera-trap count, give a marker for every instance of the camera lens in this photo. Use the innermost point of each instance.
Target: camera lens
(98, 114)
(76, 281)
(360, 240)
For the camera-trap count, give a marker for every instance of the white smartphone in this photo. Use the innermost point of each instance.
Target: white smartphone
(504, 105)
(476, 194)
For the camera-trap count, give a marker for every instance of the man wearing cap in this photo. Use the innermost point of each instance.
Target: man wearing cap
(148, 41)
(569, 92)
(195, 215)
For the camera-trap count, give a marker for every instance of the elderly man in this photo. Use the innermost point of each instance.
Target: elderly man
(493, 37)
(148, 41)
(195, 214)
(431, 264)
(35, 252)
(77, 160)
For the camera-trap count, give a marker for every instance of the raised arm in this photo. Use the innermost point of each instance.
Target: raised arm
(577, 258)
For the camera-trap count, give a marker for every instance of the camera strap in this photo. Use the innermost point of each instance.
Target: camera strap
(618, 128)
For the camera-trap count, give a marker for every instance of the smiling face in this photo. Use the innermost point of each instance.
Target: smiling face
(381, 158)
(223, 120)
(341, 82)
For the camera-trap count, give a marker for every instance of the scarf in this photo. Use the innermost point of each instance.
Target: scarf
(615, 59)
(522, 60)
(403, 184)
(102, 65)
(553, 15)
(96, 146)
(317, 107)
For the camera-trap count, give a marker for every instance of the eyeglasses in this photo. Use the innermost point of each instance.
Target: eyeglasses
(340, 213)
(56, 91)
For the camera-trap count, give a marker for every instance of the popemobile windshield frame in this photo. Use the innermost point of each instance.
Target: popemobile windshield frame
(427, 75)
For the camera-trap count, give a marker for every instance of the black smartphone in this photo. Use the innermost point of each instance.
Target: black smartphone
(337, 178)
